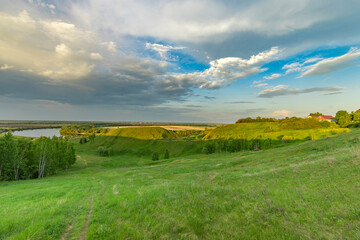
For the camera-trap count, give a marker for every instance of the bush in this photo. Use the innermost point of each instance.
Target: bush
(166, 155)
(155, 156)
(287, 138)
(102, 151)
(209, 148)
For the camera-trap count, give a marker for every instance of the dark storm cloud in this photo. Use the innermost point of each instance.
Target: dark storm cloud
(131, 82)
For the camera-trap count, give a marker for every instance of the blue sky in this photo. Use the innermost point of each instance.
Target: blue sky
(181, 61)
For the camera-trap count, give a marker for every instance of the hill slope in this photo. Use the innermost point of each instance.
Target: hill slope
(142, 133)
(303, 191)
(268, 130)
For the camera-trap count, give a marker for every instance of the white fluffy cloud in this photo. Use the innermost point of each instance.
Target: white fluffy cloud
(96, 56)
(224, 71)
(53, 49)
(273, 76)
(162, 50)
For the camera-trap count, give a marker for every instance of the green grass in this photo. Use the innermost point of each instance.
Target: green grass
(143, 147)
(308, 190)
(142, 133)
(271, 130)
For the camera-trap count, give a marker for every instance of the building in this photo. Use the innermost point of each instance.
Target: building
(328, 118)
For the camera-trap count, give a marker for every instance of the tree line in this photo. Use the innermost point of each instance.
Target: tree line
(237, 145)
(22, 158)
(345, 119)
(82, 129)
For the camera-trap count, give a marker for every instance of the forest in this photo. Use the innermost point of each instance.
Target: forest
(22, 158)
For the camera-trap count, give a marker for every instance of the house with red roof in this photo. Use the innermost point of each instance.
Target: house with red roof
(328, 118)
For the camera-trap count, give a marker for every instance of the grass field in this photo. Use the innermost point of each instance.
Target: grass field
(268, 130)
(308, 190)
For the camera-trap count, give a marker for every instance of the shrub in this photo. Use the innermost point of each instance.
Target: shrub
(287, 138)
(209, 148)
(155, 156)
(102, 151)
(166, 155)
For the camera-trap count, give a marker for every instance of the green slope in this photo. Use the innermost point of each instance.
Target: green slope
(144, 147)
(271, 130)
(142, 133)
(308, 190)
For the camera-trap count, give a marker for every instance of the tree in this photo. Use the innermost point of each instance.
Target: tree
(317, 113)
(343, 118)
(9, 156)
(155, 156)
(23, 153)
(166, 155)
(355, 116)
(92, 137)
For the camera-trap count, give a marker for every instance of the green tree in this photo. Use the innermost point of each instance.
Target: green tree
(317, 113)
(166, 155)
(343, 118)
(155, 156)
(9, 156)
(355, 116)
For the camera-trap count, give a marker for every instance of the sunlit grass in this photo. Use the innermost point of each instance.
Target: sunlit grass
(308, 190)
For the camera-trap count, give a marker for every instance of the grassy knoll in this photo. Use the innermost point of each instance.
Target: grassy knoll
(271, 130)
(142, 133)
(308, 190)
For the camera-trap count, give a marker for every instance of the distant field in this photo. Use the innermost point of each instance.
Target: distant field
(268, 130)
(172, 128)
(308, 190)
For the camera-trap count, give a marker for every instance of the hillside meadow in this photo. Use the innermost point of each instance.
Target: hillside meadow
(306, 190)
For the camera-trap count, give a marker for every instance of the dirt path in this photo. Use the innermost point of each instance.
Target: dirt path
(67, 232)
(84, 231)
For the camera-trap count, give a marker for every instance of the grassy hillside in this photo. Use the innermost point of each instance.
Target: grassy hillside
(142, 133)
(303, 191)
(271, 130)
(144, 147)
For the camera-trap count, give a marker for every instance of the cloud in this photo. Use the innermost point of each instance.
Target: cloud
(292, 67)
(209, 98)
(240, 102)
(206, 20)
(48, 48)
(96, 56)
(225, 71)
(282, 90)
(162, 50)
(259, 85)
(131, 81)
(332, 64)
(281, 113)
(334, 93)
(5, 67)
(42, 4)
(110, 46)
(273, 76)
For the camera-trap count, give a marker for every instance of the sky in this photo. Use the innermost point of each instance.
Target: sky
(177, 61)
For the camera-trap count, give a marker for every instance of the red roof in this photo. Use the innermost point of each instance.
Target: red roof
(327, 116)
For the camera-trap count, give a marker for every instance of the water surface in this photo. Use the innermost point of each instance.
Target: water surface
(46, 132)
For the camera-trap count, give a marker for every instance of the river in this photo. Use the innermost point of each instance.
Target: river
(46, 132)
